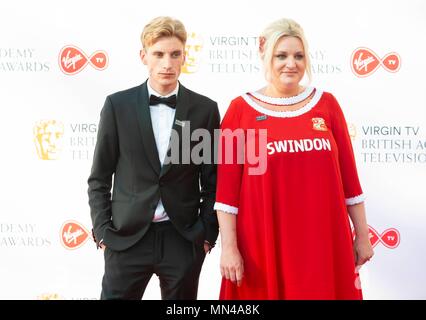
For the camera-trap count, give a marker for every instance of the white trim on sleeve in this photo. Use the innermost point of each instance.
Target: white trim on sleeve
(226, 208)
(355, 200)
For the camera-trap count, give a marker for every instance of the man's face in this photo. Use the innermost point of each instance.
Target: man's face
(164, 60)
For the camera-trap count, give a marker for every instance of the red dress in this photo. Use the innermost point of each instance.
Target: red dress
(293, 228)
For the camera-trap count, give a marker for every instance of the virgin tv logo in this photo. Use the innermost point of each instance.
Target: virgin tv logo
(73, 235)
(364, 62)
(390, 238)
(72, 60)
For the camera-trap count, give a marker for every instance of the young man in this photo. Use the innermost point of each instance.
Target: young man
(160, 218)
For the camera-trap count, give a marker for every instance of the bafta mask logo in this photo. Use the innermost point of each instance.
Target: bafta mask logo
(352, 131)
(48, 139)
(49, 296)
(193, 49)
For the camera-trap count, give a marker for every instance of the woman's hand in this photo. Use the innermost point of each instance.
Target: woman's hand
(232, 265)
(363, 251)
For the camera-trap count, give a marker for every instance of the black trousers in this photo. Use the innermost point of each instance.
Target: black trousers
(162, 251)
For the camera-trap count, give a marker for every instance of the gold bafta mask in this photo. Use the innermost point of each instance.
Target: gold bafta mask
(193, 48)
(48, 139)
(49, 296)
(352, 130)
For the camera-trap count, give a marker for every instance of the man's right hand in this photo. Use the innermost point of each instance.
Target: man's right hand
(102, 245)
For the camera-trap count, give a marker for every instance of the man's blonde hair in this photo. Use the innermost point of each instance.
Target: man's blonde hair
(273, 33)
(162, 27)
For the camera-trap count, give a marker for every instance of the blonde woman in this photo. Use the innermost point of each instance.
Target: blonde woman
(285, 233)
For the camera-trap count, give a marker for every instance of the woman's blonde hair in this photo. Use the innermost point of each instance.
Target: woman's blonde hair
(162, 27)
(274, 32)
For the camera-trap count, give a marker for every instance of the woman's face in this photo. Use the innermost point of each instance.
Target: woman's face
(288, 63)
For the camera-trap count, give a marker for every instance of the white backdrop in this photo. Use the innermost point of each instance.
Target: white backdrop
(43, 255)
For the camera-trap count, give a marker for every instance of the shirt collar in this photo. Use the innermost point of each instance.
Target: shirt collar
(152, 91)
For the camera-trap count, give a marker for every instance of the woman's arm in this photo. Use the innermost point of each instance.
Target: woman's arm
(231, 262)
(363, 250)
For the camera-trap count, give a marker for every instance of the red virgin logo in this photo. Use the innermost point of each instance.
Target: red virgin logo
(390, 238)
(72, 60)
(364, 62)
(73, 235)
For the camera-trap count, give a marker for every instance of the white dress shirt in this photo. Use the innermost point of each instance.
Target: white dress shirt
(162, 117)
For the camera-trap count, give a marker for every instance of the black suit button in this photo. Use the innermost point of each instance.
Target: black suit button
(161, 184)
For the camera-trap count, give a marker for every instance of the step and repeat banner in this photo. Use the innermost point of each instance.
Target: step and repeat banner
(59, 60)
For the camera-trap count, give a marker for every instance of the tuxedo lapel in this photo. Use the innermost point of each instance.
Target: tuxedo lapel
(181, 115)
(145, 126)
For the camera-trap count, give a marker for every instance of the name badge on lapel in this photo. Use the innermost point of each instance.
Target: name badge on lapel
(180, 123)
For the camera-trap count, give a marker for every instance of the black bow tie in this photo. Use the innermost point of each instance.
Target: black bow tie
(169, 101)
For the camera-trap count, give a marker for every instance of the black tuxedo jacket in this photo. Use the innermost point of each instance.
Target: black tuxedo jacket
(126, 154)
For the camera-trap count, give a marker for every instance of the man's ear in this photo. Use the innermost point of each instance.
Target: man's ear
(142, 54)
(184, 57)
